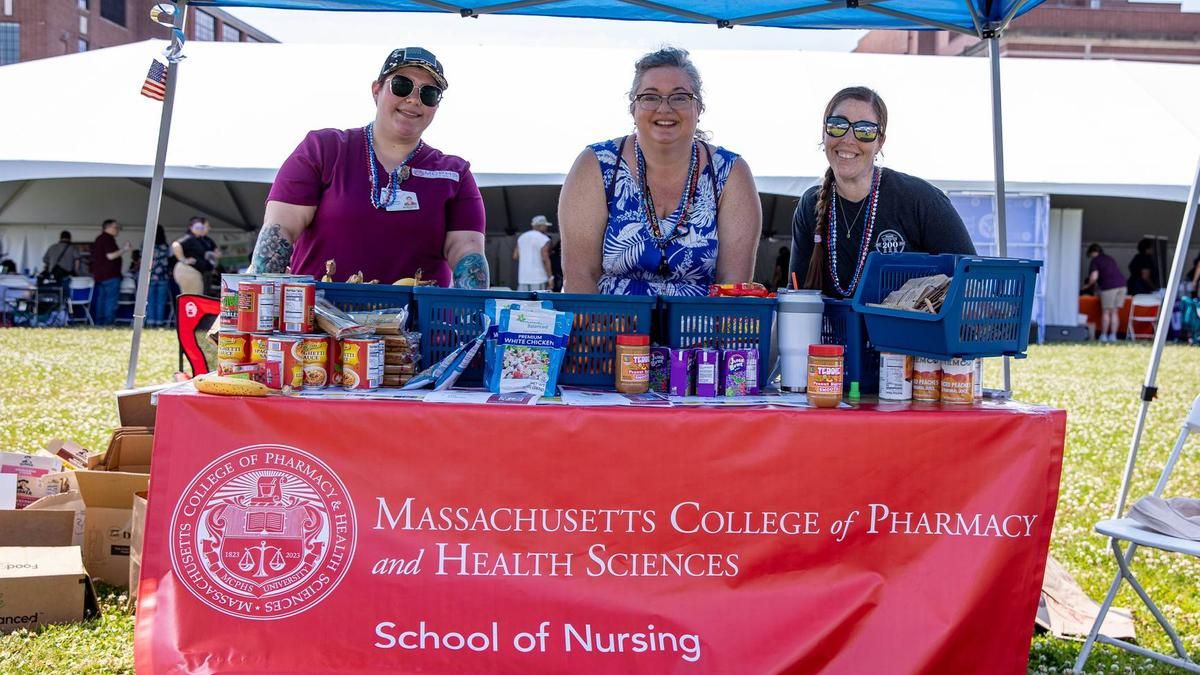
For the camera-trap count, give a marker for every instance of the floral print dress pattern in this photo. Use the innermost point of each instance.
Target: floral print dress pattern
(631, 256)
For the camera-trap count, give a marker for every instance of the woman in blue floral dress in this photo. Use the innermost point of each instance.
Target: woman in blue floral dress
(660, 211)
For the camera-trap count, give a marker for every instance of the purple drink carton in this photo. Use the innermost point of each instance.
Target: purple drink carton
(682, 378)
(707, 371)
(739, 372)
(660, 369)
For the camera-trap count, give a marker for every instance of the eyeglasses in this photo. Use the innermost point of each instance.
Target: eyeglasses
(865, 131)
(678, 101)
(403, 87)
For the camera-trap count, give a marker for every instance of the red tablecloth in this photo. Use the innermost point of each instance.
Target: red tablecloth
(346, 536)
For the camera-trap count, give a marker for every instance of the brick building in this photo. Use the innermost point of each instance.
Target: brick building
(1073, 29)
(35, 29)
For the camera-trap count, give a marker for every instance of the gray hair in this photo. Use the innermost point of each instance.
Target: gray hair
(667, 57)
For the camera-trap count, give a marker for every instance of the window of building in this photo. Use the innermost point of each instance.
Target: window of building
(206, 26)
(83, 25)
(113, 10)
(82, 46)
(230, 34)
(83, 4)
(10, 43)
(8, 10)
(251, 38)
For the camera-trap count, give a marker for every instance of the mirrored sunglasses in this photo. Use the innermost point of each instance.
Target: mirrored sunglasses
(865, 131)
(430, 95)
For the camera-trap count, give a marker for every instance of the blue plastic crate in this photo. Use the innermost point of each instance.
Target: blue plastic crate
(986, 312)
(366, 297)
(841, 325)
(447, 317)
(724, 323)
(591, 353)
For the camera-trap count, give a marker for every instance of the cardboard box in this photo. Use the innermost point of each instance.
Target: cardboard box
(103, 504)
(8, 491)
(138, 538)
(135, 407)
(73, 455)
(129, 450)
(30, 471)
(37, 528)
(41, 586)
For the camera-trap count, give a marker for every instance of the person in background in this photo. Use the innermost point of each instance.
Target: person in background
(378, 199)
(783, 262)
(106, 271)
(556, 270)
(196, 256)
(8, 267)
(861, 207)
(532, 254)
(61, 260)
(1143, 270)
(1105, 276)
(661, 211)
(1192, 280)
(158, 295)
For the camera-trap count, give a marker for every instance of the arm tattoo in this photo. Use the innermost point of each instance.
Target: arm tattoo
(472, 272)
(273, 252)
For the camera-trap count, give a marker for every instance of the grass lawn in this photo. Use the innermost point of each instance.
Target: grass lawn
(58, 382)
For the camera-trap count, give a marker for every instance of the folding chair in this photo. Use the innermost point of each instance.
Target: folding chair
(1147, 302)
(1135, 534)
(80, 297)
(192, 312)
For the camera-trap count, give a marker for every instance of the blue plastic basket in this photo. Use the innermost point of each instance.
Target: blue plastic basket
(366, 297)
(841, 325)
(591, 353)
(986, 312)
(447, 317)
(724, 323)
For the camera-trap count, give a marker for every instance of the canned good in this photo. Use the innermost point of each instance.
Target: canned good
(277, 281)
(926, 379)
(233, 349)
(256, 306)
(895, 377)
(229, 299)
(285, 362)
(335, 362)
(316, 360)
(296, 300)
(258, 347)
(978, 379)
(958, 384)
(362, 363)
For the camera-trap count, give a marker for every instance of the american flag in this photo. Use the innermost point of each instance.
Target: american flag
(155, 86)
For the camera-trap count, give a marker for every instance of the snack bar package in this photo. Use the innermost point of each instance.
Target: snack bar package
(739, 372)
(529, 350)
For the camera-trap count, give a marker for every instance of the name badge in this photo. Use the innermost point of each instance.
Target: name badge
(405, 200)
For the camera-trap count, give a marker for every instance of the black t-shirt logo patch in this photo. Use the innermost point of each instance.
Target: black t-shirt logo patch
(890, 241)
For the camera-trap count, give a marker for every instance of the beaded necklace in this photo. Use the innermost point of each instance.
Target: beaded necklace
(398, 175)
(685, 204)
(868, 228)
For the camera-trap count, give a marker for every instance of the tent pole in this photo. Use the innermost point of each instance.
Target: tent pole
(998, 155)
(1149, 388)
(156, 190)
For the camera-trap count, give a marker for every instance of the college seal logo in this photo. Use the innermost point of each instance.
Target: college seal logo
(890, 241)
(263, 532)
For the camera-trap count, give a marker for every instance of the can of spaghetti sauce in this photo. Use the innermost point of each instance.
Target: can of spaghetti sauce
(362, 363)
(317, 353)
(285, 362)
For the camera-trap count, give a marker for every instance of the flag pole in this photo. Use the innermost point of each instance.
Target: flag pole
(174, 56)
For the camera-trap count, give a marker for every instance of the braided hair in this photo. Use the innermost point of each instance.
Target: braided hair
(818, 275)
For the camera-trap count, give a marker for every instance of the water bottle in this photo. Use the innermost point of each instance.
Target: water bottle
(799, 322)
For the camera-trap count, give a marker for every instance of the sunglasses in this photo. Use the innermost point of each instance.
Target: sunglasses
(430, 95)
(865, 131)
(677, 101)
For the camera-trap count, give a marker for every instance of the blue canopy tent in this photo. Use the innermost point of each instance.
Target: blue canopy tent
(985, 19)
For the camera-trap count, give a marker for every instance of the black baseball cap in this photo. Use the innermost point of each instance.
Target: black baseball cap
(415, 56)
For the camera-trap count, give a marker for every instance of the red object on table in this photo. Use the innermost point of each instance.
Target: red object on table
(298, 535)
